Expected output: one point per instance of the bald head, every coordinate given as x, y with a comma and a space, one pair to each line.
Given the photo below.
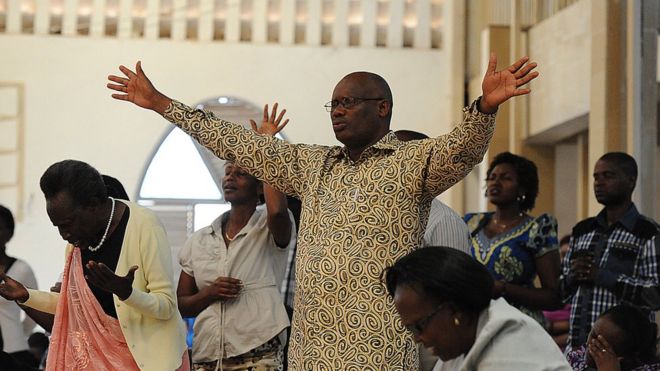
371, 84
361, 110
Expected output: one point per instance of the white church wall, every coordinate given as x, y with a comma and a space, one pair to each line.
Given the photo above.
69, 112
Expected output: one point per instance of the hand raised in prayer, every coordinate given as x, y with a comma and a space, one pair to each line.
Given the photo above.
603, 354
137, 88
102, 277
223, 288
498, 86
11, 289
270, 124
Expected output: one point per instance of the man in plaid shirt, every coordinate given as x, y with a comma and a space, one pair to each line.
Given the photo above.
613, 257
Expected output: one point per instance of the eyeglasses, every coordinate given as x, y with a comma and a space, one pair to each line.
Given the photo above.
418, 327
346, 102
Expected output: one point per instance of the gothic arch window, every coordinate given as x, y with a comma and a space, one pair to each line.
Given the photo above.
181, 182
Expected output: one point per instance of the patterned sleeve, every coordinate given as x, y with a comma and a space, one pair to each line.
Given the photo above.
543, 235
642, 288
452, 156
284, 166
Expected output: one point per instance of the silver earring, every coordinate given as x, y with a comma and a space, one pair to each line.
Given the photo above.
521, 198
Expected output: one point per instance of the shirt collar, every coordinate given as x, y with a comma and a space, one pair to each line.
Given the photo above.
389, 143
216, 226
628, 219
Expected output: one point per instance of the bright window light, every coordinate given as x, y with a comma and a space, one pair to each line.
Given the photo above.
205, 214
177, 171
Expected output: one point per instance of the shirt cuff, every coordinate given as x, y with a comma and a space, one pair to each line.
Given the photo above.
473, 109
128, 299
40, 300
27, 301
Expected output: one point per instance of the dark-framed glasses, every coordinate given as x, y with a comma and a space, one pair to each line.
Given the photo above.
346, 102
419, 326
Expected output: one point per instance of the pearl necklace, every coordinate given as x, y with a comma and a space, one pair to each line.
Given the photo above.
107, 228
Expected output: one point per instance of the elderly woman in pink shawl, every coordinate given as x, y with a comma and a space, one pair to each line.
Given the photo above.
117, 307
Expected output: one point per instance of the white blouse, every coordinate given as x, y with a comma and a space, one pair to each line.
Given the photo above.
508, 340
257, 315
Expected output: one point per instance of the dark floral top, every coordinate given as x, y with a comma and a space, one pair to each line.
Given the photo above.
511, 256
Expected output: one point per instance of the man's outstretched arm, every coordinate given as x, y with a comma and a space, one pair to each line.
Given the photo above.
499, 86
284, 166
453, 155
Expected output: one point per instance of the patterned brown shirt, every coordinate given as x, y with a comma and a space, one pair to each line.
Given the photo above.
358, 217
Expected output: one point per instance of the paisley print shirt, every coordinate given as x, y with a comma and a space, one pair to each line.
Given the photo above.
358, 217
511, 256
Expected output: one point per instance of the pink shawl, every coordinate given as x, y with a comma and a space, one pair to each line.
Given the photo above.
84, 336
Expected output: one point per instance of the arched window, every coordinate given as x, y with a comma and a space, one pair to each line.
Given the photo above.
182, 179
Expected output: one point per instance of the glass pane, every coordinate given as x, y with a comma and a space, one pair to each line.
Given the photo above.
177, 171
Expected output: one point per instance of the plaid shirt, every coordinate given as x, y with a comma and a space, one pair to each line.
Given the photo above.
628, 256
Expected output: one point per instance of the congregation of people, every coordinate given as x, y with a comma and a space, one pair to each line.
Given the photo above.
340, 257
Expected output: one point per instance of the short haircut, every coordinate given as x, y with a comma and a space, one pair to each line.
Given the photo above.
406, 135
377, 82
528, 178
80, 180
443, 274
8, 219
623, 161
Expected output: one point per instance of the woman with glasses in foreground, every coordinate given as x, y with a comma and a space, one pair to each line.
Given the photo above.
443, 298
